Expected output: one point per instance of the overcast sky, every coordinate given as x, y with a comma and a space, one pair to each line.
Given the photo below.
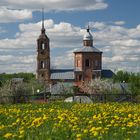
115, 25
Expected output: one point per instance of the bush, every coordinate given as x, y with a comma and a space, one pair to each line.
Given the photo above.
18, 93
134, 83
121, 76
5, 90
99, 86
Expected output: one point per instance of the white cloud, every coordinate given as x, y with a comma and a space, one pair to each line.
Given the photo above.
64, 61
128, 42
120, 48
56, 5
97, 25
118, 58
8, 15
119, 22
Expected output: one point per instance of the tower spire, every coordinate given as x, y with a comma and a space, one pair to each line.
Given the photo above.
43, 29
88, 28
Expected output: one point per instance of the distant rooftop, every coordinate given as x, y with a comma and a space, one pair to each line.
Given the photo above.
62, 74
106, 73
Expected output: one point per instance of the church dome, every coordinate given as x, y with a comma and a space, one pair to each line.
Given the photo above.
88, 35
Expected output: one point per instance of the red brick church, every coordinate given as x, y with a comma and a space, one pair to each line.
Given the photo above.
87, 62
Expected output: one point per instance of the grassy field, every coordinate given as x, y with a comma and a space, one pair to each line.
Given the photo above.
70, 121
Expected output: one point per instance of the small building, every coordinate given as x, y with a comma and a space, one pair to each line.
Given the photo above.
16, 81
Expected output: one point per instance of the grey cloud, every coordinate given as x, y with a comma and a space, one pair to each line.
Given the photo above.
8, 15
56, 5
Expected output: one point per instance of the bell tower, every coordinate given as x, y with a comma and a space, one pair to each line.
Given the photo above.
43, 55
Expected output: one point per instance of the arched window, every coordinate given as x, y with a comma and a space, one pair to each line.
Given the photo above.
42, 64
42, 75
43, 46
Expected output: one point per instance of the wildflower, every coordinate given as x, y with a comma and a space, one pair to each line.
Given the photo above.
85, 131
78, 135
21, 131
37, 122
130, 124
44, 117
1, 127
129, 115
95, 133
8, 135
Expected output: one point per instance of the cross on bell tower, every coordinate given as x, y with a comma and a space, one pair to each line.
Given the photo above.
43, 54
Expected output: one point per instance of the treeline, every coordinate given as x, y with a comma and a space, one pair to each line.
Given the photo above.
132, 79
26, 76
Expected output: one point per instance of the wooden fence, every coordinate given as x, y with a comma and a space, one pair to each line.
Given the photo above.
47, 97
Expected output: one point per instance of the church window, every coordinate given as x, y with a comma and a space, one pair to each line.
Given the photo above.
42, 52
43, 46
87, 63
42, 64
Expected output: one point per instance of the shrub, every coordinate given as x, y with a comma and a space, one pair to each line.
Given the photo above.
99, 86
134, 83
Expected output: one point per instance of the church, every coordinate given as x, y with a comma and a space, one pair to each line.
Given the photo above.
87, 62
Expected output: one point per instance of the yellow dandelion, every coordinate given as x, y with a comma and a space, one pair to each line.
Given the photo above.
95, 133
21, 132
78, 135
129, 115
85, 131
8, 135
1, 127
18, 120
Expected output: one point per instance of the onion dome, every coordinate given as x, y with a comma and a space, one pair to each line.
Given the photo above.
88, 35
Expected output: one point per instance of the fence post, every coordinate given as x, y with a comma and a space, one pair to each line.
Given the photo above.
105, 98
73, 98
44, 97
14, 97
80, 100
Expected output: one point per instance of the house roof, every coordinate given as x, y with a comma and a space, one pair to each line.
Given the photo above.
62, 74
17, 79
106, 73
88, 49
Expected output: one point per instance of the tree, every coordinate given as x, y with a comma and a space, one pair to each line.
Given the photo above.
5, 92
99, 86
121, 76
26, 76
9, 91
134, 83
